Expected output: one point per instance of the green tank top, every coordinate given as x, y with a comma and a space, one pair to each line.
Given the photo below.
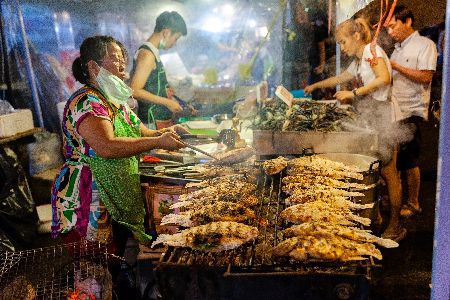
156, 84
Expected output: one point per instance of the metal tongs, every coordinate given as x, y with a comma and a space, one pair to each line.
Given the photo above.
199, 150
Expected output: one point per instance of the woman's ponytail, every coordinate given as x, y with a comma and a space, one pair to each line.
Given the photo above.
79, 71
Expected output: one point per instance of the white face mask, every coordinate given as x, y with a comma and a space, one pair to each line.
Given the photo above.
115, 90
162, 44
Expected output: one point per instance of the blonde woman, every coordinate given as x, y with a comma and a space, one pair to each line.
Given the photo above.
371, 69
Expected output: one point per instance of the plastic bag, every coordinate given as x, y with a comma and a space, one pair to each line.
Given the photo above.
18, 217
5, 107
45, 153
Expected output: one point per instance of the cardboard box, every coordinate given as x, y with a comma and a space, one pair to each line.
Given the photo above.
19, 121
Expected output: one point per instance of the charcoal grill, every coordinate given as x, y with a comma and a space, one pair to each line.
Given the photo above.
51, 271
248, 272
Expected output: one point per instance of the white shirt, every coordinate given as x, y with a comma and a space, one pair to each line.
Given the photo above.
153, 48
418, 53
363, 68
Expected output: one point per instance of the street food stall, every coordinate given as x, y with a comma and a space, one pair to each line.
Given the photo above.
276, 193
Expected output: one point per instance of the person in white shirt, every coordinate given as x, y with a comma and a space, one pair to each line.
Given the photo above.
354, 37
371, 99
413, 63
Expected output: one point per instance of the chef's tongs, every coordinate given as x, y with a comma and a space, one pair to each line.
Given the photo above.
199, 150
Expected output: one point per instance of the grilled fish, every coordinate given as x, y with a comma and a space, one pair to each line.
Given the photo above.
212, 237
327, 230
221, 180
275, 166
323, 171
320, 162
319, 211
246, 200
218, 211
328, 249
234, 156
223, 191
336, 201
308, 179
320, 190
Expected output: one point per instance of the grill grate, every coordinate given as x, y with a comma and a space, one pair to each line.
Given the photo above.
255, 258
51, 272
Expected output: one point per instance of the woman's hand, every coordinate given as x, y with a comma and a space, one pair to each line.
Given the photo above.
344, 97
319, 69
310, 88
173, 106
169, 141
177, 129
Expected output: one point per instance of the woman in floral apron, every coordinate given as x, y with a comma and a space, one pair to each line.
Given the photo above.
98, 186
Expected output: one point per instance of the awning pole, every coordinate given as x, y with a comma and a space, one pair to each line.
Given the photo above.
441, 250
29, 67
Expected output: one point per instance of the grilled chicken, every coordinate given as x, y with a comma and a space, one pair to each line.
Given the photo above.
329, 249
319, 211
212, 237
275, 166
327, 230
218, 211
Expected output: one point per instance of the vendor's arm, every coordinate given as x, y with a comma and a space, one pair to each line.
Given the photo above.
176, 129
382, 78
420, 76
99, 134
330, 82
322, 57
145, 64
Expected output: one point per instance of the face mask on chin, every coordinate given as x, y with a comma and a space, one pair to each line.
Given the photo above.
115, 90
162, 44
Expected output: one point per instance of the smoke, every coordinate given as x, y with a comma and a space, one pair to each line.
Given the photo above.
379, 116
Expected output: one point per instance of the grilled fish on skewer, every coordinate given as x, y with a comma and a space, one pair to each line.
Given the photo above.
223, 191
331, 249
212, 237
336, 201
321, 212
322, 171
246, 201
320, 190
329, 230
204, 170
312, 180
234, 156
320, 162
218, 211
275, 166
222, 179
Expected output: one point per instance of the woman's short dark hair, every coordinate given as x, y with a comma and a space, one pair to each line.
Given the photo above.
171, 20
93, 48
402, 13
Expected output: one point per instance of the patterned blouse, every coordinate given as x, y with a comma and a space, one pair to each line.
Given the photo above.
75, 199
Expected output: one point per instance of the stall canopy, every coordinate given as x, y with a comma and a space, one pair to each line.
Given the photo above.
229, 44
